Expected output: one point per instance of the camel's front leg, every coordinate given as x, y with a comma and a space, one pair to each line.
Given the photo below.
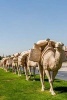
53, 74
50, 81
19, 70
26, 73
23, 69
34, 68
29, 68
41, 77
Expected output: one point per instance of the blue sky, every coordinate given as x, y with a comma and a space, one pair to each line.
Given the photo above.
24, 22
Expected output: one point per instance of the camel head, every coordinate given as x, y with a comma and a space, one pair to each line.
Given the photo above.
36, 46
59, 45
16, 54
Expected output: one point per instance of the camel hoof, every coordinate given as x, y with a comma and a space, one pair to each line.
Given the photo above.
34, 80
42, 90
19, 75
7, 71
27, 79
53, 93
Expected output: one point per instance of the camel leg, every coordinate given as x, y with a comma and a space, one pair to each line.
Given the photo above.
6, 68
3, 66
15, 69
26, 73
19, 70
41, 77
29, 68
23, 69
50, 81
54, 74
34, 68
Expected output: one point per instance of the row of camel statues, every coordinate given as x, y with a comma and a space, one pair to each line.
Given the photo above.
49, 61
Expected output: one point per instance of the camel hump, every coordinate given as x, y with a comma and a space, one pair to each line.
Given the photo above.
49, 43
48, 48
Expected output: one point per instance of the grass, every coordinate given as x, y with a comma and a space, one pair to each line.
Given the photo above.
13, 87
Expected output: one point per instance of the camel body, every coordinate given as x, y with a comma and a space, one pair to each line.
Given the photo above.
50, 63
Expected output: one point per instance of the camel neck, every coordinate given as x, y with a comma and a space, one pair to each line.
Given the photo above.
58, 54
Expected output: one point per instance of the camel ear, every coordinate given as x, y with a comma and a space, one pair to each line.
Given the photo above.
62, 44
47, 39
35, 45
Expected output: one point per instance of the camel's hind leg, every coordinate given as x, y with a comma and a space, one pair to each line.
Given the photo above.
54, 73
41, 77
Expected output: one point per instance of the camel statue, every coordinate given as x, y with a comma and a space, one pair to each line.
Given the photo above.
31, 65
3, 63
22, 64
26, 64
15, 62
9, 62
50, 62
